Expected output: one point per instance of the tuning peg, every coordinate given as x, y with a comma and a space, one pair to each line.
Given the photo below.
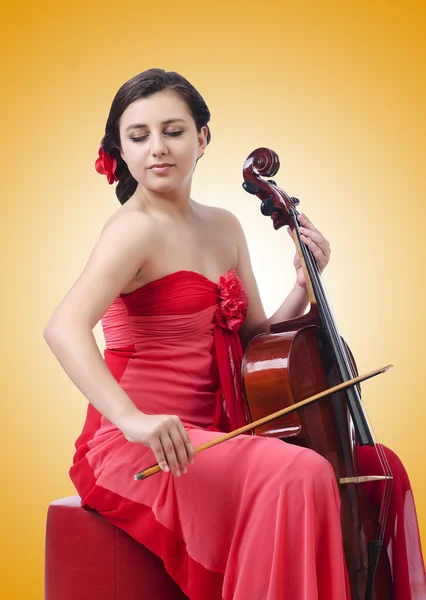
296, 201
268, 207
271, 181
250, 187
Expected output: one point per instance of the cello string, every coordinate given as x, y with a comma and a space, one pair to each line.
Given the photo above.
325, 305
329, 323
384, 512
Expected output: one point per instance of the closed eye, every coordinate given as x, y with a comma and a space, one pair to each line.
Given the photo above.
144, 137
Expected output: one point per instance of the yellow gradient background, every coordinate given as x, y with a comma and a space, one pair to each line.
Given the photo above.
337, 89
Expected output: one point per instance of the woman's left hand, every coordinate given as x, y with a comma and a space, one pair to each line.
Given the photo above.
316, 242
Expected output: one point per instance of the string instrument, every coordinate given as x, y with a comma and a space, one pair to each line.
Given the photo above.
299, 358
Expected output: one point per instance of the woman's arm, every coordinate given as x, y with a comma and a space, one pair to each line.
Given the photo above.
118, 255
115, 260
296, 302
293, 306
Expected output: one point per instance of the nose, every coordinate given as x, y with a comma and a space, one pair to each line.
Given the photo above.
158, 145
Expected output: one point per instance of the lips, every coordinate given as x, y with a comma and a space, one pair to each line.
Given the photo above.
163, 169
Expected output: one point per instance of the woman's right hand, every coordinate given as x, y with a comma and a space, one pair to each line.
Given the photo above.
165, 435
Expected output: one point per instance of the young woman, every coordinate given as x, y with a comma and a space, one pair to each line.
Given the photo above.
171, 281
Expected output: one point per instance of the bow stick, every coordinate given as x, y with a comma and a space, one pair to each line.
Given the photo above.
156, 468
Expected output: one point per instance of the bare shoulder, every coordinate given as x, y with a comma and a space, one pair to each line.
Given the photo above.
223, 218
120, 251
127, 216
126, 234
231, 226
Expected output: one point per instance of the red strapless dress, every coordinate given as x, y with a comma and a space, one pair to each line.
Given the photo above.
254, 518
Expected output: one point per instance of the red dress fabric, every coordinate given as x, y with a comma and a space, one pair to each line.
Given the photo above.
254, 517
401, 535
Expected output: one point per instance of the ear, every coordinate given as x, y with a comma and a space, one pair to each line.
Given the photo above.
122, 155
202, 141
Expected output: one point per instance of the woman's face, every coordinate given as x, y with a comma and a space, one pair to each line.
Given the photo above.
160, 130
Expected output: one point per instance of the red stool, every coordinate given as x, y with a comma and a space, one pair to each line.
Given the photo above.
88, 558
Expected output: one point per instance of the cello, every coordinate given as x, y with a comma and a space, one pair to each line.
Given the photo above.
299, 358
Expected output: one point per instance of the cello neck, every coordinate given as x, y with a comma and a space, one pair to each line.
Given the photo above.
321, 306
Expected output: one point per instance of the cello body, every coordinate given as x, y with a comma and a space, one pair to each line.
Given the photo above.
296, 360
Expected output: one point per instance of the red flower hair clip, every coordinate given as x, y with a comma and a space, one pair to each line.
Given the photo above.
106, 165
233, 302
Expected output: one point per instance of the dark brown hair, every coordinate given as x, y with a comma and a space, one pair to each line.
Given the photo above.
141, 86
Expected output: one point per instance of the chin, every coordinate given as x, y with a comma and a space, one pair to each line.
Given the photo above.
163, 186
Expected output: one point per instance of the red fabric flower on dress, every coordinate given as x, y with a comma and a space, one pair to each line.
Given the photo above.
233, 302
106, 165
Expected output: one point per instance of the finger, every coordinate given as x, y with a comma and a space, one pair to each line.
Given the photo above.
316, 251
180, 448
318, 238
170, 454
303, 220
157, 449
190, 450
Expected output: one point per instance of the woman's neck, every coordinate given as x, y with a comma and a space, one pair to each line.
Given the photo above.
175, 204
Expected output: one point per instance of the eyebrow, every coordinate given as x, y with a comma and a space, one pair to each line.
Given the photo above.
140, 125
